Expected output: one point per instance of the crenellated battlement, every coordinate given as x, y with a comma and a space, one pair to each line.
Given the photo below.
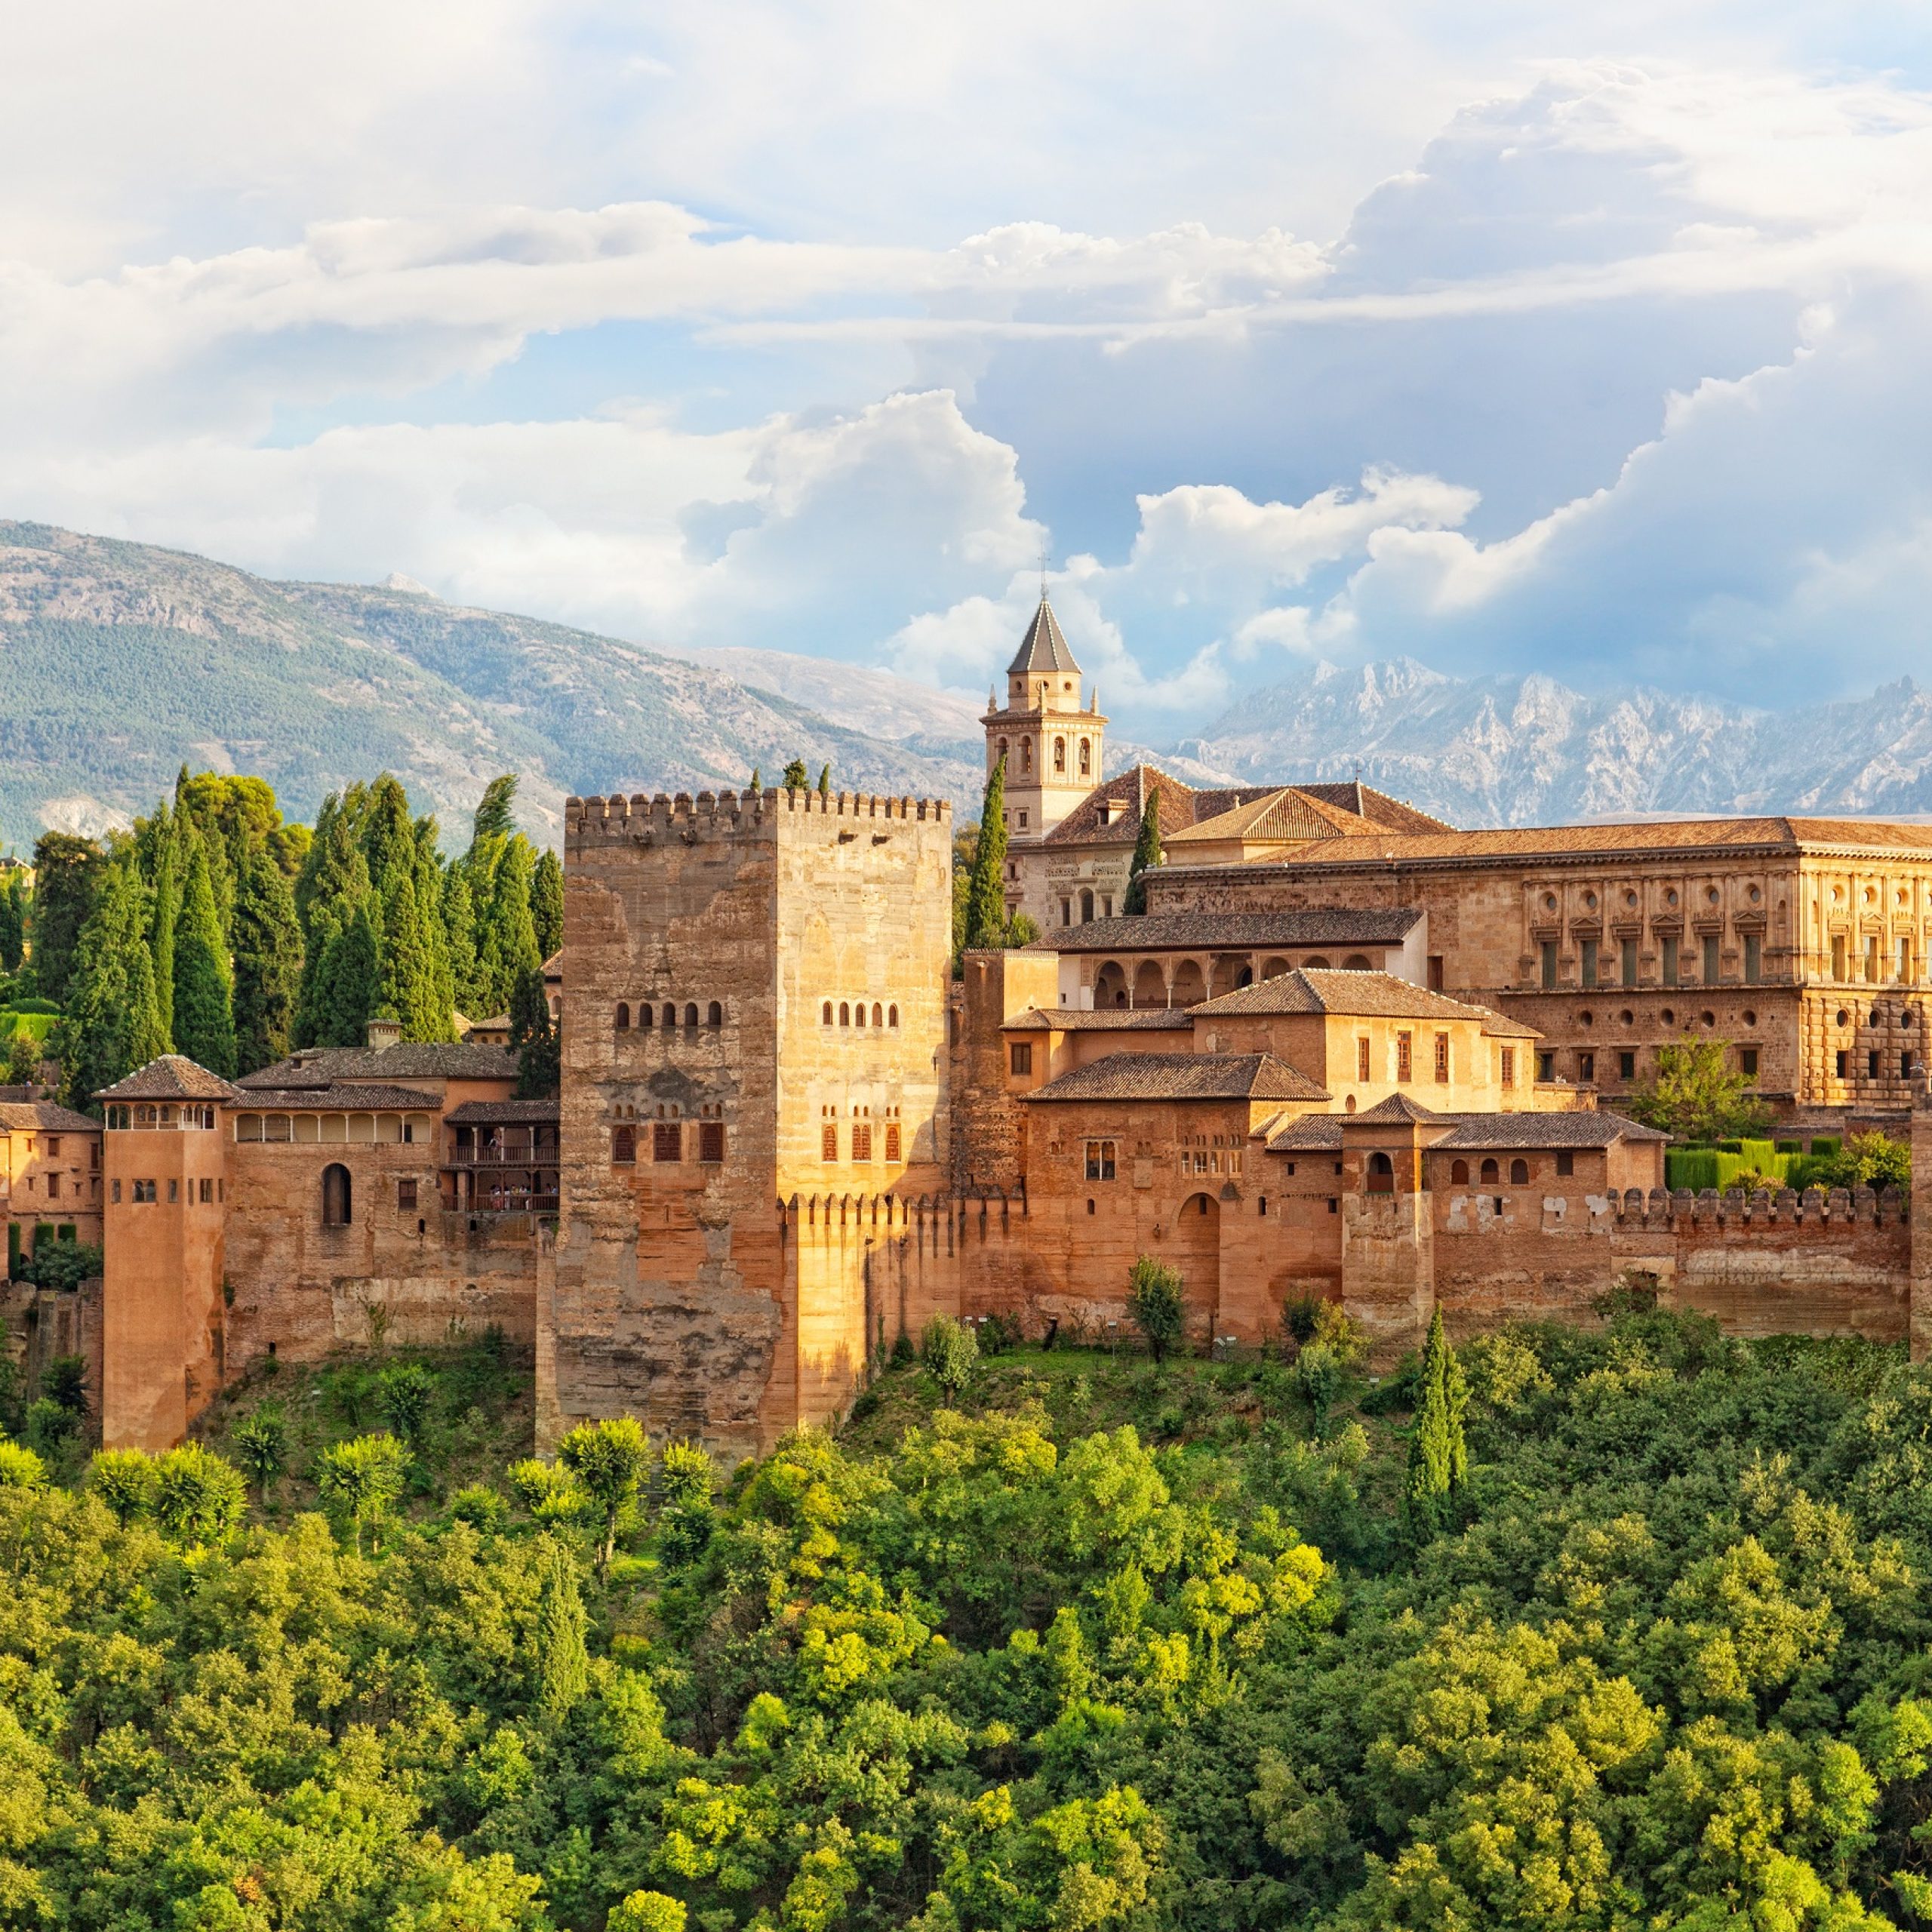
641, 818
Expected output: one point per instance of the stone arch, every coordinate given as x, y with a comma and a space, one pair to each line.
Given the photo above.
623, 1016
1273, 966
714, 1014
1226, 977
879, 1017
1491, 1172
1110, 984
1315, 964
690, 1014
1150, 984
670, 1014
1190, 986
1519, 1173
1381, 1174
624, 1147
1357, 962
1459, 1174
1195, 1250
1025, 754
892, 1016
644, 1014
824, 1018
844, 1013
858, 1013
1086, 759
1059, 755
1086, 904
338, 1196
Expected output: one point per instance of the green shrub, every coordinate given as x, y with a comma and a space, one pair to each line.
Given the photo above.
1154, 1300
950, 1350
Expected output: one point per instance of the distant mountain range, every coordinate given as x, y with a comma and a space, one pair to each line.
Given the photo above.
122, 661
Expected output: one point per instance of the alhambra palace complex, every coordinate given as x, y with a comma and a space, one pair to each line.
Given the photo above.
1348, 1050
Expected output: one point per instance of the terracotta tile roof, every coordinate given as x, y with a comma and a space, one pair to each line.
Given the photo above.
553, 967
1235, 932
1398, 1110
1342, 994
1681, 836
363, 1097
1103, 1019
1310, 1133
1044, 647
1395, 814
1590, 1128
1277, 817
506, 1113
32, 1116
172, 1077
1125, 793
322, 1066
1182, 1077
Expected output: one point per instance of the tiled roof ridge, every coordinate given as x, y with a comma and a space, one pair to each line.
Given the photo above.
168, 1077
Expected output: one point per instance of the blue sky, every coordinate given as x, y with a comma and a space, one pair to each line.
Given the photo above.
1504, 338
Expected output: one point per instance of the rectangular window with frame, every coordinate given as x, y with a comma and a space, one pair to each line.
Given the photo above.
207, 1193
1566, 1163
1627, 958
1548, 951
1361, 1060
1405, 1066
405, 1193
892, 1141
1871, 959
1589, 962
862, 1140
1587, 1069
1747, 1062
1545, 1066
1507, 1056
828, 1142
1843, 1064
1905, 962
1754, 957
667, 1141
114, 1193
1020, 1057
1838, 956
1670, 959
1100, 1160
1626, 1067
1872, 1064
54, 1187
144, 1193
1711, 974
710, 1142
1442, 1059
174, 1193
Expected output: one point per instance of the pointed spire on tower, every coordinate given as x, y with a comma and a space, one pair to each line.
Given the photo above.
1044, 647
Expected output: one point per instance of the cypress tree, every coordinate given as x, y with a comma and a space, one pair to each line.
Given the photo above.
171, 834
67, 874
268, 962
347, 984
534, 1035
506, 935
1146, 852
754, 788
563, 1662
546, 903
13, 924
459, 939
204, 992
113, 1024
334, 881
825, 781
405, 977
495, 817
429, 905
1438, 1457
796, 779
389, 838
985, 898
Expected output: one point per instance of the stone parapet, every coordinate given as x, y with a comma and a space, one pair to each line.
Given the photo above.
642, 817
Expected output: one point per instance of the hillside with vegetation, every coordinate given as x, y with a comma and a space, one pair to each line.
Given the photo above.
127, 661
1621, 1627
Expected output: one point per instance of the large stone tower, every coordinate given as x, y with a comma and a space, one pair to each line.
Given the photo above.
754, 1039
1052, 741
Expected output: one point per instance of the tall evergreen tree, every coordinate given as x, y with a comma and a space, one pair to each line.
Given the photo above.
985, 899
67, 876
825, 781
495, 810
754, 788
113, 1024
171, 831
203, 991
268, 961
534, 1035
406, 978
429, 905
1146, 852
796, 779
563, 1664
388, 837
332, 883
546, 903
1438, 1457
347, 986
505, 934
13, 923
460, 938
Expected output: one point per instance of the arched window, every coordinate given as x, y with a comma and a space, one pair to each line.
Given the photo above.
1025, 754
714, 1015
1356, 962
623, 1147
892, 1016
1060, 754
623, 1016
1086, 905
1317, 964
670, 1014
1459, 1174
643, 1014
1086, 759
336, 1200
844, 1013
1519, 1173
1491, 1172
826, 1020
690, 1014
1381, 1174
878, 1018
859, 1014
1002, 748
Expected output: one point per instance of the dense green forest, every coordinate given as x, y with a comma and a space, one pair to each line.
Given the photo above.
1623, 1627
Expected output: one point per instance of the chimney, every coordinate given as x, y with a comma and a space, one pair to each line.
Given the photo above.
383, 1034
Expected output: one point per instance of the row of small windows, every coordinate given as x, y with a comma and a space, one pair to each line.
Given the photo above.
714, 1015
852, 1013
1083, 755
860, 1143
668, 1142
1594, 969
144, 1192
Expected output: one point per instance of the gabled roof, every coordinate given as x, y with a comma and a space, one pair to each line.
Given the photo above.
171, 1077
1286, 816
407, 1060
1235, 932
1307, 1133
1044, 647
34, 1116
1130, 1076
1103, 1019
1353, 995
1124, 797
1395, 814
1398, 1110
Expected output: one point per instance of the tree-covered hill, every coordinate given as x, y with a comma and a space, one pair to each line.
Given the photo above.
124, 661
1658, 1661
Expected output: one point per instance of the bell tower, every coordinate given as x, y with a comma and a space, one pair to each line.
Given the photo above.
1052, 740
